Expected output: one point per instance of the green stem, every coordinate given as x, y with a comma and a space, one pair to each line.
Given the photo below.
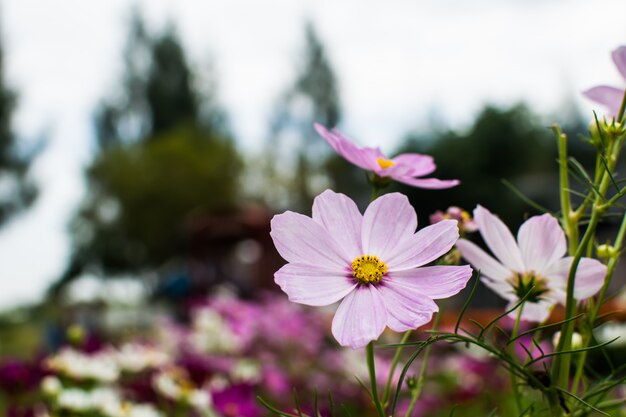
415, 394
394, 364
570, 220
619, 240
369, 353
514, 386
561, 365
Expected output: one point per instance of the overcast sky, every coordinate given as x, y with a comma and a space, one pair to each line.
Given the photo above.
396, 61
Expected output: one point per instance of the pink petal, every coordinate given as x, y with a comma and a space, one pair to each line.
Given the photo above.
407, 308
429, 183
499, 239
299, 239
341, 218
413, 165
619, 57
609, 97
388, 221
433, 281
362, 157
536, 312
541, 241
480, 260
312, 286
424, 246
589, 276
360, 318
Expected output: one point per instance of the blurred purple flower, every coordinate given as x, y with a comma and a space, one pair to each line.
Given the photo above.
404, 168
465, 221
536, 260
374, 262
611, 97
236, 401
18, 376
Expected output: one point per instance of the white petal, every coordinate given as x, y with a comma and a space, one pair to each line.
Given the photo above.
360, 318
339, 215
407, 308
388, 221
499, 239
541, 241
589, 276
424, 246
301, 240
312, 286
480, 260
433, 281
536, 312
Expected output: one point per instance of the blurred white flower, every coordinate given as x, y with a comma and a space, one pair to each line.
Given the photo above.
610, 331
211, 333
77, 365
246, 370
577, 340
174, 384
51, 386
135, 357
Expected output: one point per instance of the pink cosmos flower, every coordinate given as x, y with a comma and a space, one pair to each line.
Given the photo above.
535, 261
611, 97
372, 262
403, 168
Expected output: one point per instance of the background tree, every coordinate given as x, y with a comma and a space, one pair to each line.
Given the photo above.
295, 152
164, 152
17, 192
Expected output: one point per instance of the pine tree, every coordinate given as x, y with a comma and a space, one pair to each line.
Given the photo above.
17, 192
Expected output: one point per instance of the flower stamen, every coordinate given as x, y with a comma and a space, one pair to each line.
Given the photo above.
368, 269
385, 163
524, 282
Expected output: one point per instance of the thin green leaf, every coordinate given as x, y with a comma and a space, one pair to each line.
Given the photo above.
519, 303
580, 400
567, 352
331, 404
524, 197
545, 326
467, 302
297, 403
274, 410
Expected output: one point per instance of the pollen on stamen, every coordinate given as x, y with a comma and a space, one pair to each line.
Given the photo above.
385, 163
368, 269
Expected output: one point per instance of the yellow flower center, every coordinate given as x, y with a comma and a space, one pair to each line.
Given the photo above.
529, 282
385, 163
368, 269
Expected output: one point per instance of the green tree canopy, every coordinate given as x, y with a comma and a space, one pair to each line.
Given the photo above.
163, 153
17, 192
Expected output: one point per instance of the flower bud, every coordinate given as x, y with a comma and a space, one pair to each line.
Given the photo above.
605, 251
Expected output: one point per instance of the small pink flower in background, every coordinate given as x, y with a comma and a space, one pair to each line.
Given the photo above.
535, 261
404, 168
373, 262
611, 97
465, 221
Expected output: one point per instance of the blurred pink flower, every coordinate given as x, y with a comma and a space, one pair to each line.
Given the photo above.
536, 260
403, 168
466, 223
611, 97
371, 261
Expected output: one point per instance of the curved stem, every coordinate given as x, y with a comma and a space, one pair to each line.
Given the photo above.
417, 391
518, 318
369, 353
394, 364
